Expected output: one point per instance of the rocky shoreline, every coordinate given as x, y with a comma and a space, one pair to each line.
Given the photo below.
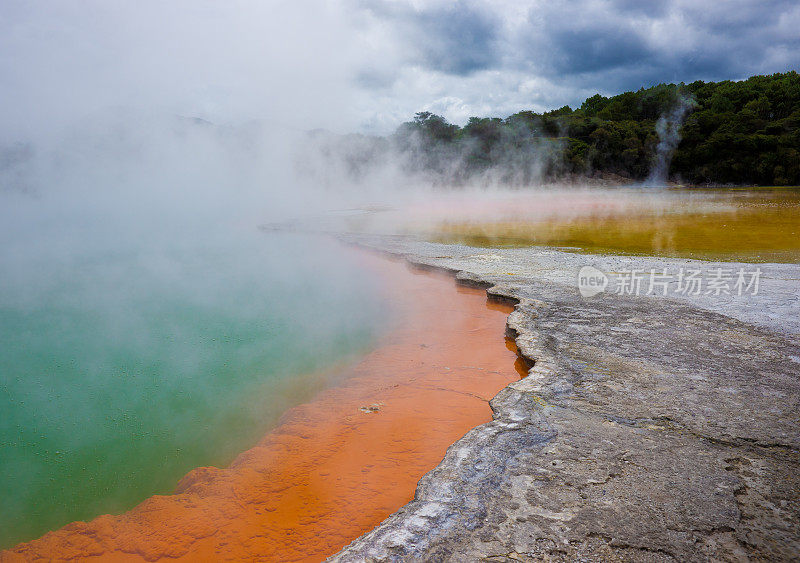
648, 429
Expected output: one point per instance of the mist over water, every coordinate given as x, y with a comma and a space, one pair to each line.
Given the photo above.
147, 325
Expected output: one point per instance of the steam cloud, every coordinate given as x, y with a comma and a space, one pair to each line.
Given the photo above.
668, 128
406, 160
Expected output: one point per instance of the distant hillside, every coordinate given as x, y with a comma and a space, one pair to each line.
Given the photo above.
745, 132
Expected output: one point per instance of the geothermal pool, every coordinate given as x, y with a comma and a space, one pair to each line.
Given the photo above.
125, 366
340, 463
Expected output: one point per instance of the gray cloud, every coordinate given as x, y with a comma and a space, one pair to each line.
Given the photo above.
369, 64
456, 38
596, 49
619, 45
571, 48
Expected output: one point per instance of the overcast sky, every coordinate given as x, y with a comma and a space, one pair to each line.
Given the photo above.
360, 65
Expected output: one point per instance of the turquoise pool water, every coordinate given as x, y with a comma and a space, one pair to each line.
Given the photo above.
123, 366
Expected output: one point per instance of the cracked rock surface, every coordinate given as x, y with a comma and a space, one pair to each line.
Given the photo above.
648, 429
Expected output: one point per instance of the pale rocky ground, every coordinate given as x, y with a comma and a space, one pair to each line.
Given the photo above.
648, 429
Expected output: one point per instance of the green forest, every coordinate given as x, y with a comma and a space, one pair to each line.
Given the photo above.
732, 132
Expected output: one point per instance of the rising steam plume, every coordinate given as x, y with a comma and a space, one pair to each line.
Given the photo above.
668, 128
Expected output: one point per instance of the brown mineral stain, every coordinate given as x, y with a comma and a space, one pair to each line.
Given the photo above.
334, 467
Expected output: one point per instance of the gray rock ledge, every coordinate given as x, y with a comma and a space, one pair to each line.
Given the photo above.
648, 429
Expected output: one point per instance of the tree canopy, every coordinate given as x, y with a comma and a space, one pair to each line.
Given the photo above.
740, 132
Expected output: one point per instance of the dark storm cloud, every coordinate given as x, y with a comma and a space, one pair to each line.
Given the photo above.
456, 38
463, 41
595, 49
471, 53
620, 45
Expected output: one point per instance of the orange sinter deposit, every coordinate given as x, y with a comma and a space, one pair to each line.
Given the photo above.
337, 466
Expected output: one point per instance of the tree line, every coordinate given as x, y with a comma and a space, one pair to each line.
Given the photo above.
732, 132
